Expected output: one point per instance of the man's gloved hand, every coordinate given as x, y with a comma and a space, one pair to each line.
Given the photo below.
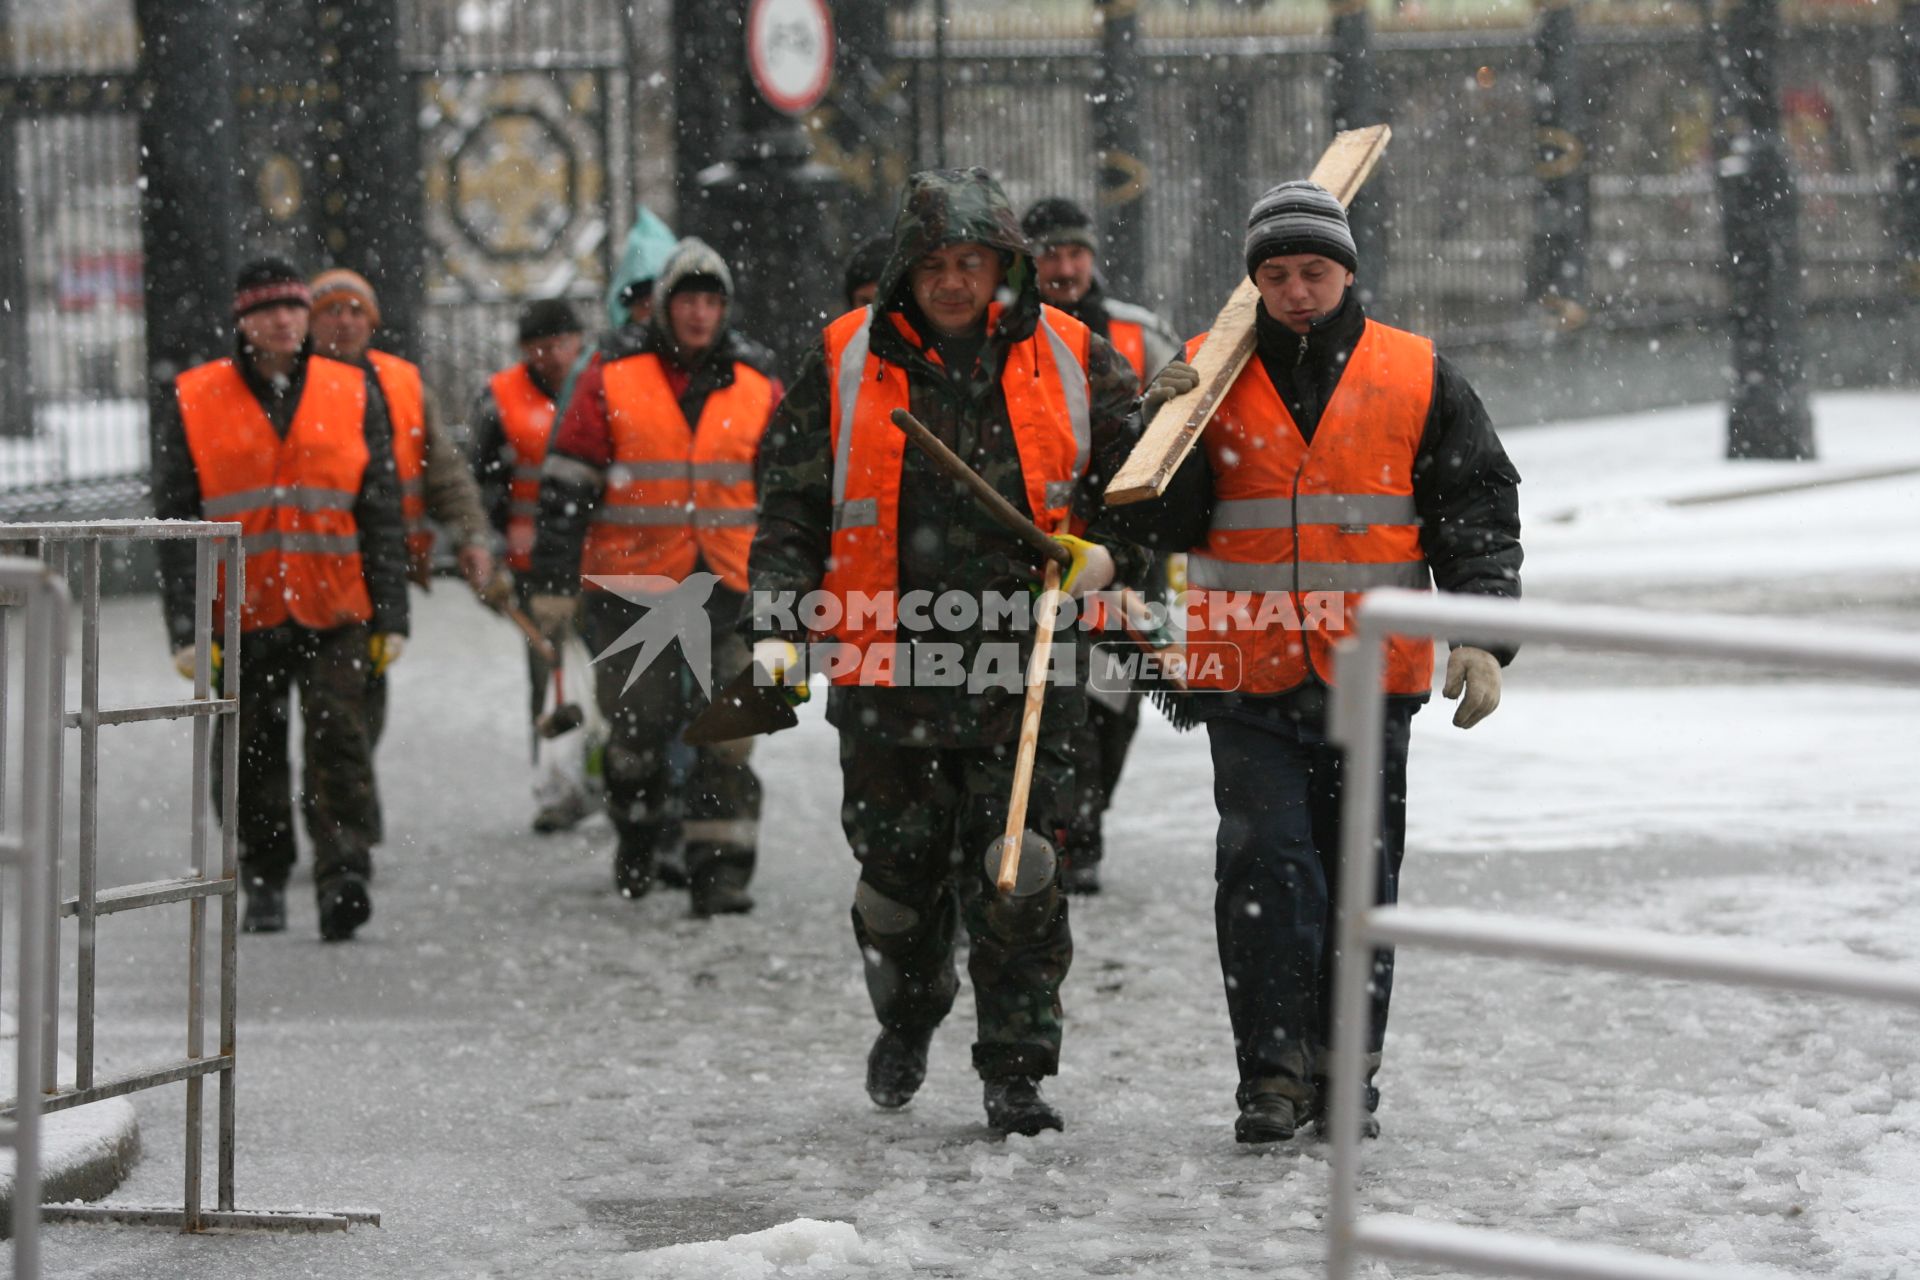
183, 661
385, 648
1478, 673
476, 565
781, 660
497, 592
1176, 379
1092, 566
553, 615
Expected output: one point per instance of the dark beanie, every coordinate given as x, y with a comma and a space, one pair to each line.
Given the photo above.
1058, 221
866, 264
1299, 217
547, 318
269, 282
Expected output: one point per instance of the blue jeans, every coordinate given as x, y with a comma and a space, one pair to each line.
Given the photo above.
1276, 783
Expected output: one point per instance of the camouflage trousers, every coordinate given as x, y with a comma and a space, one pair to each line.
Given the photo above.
921, 820
658, 788
1099, 748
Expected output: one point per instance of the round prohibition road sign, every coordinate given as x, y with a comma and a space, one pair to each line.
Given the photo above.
790, 52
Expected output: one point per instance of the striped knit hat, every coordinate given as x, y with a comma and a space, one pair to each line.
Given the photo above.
339, 282
1299, 217
268, 282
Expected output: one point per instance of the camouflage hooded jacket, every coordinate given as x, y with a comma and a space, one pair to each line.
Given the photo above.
947, 541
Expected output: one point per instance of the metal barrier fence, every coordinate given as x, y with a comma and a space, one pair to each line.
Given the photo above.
60, 545
1358, 717
28, 857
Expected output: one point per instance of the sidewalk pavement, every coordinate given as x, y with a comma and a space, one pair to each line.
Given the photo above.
84, 1153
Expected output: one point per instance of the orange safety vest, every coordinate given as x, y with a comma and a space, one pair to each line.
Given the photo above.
294, 497
406, 395
1299, 530
677, 494
1049, 401
1130, 340
526, 419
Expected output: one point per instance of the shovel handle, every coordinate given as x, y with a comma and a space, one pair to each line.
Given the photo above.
1015, 834
540, 644
991, 498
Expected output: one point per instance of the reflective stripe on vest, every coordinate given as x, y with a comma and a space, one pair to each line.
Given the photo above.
526, 421
294, 497
406, 396
678, 494
1048, 396
1299, 529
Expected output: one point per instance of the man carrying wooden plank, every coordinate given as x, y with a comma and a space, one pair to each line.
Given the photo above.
1037, 405
1345, 455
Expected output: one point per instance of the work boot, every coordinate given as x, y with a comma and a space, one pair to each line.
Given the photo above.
670, 864
896, 1065
1272, 1110
1014, 1105
563, 814
719, 887
345, 905
1080, 877
266, 908
633, 867
1323, 1097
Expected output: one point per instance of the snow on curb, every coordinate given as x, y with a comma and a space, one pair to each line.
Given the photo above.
85, 1152
802, 1247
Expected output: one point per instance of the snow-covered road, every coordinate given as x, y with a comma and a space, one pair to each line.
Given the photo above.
530, 1077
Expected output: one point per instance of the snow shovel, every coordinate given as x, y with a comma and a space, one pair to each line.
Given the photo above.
752, 703
565, 716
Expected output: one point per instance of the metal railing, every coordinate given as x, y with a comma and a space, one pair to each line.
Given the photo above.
91, 901
1358, 712
28, 857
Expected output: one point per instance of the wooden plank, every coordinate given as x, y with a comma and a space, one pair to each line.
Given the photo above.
1176, 428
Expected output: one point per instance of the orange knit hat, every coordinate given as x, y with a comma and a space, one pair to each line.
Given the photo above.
339, 280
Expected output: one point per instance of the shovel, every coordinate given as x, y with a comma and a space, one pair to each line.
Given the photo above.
565, 716
750, 704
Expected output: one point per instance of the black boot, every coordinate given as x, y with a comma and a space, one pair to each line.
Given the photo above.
717, 880
1014, 1105
896, 1065
1078, 877
1272, 1110
345, 905
266, 907
633, 866
1369, 1102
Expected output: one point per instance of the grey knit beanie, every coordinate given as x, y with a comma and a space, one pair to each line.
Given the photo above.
1299, 217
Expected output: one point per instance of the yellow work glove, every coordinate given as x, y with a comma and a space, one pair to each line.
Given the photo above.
1477, 672
1176, 379
385, 648
1092, 566
183, 661
553, 615
780, 659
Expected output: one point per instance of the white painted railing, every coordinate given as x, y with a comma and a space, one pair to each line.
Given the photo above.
1358, 717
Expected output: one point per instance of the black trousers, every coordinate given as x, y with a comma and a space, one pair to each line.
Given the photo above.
329, 668
1277, 785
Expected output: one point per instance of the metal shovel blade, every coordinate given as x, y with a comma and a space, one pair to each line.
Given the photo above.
750, 704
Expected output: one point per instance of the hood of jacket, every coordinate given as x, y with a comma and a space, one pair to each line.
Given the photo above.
649, 243
942, 207
691, 257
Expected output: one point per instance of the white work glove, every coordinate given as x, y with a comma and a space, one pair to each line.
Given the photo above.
1477, 672
1092, 566
385, 648
781, 660
553, 615
1176, 379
